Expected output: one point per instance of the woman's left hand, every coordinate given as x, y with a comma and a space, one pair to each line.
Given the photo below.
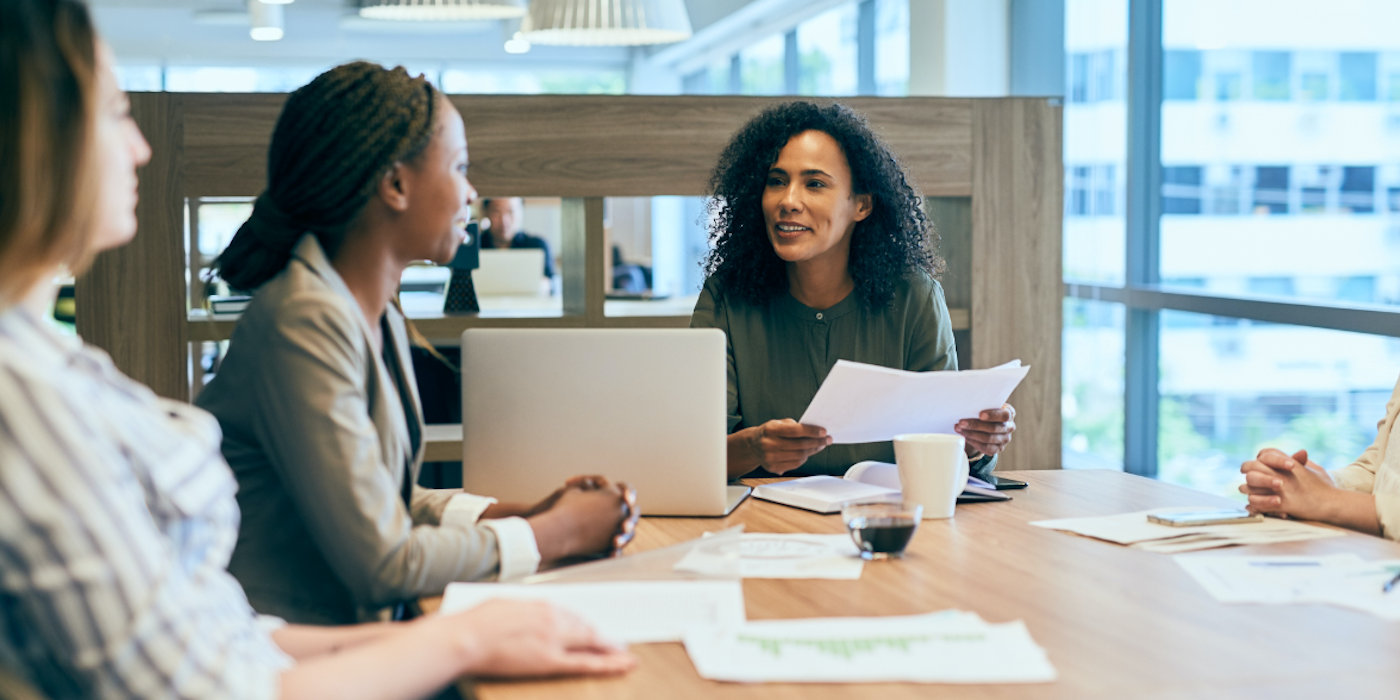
990, 432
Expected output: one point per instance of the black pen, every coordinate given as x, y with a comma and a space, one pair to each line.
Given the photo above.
1390, 585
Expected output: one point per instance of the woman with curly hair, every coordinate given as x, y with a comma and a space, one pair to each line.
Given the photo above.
821, 253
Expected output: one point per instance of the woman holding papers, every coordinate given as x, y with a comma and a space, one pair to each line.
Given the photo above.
1364, 495
317, 397
821, 253
117, 512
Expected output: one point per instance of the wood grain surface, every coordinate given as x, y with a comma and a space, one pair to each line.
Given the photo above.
587, 145
132, 303
1017, 282
1118, 623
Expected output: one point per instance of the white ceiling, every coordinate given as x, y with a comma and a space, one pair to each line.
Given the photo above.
323, 32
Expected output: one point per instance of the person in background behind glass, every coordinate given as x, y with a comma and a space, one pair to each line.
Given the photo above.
117, 512
506, 215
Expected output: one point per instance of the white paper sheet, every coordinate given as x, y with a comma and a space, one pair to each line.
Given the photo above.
1134, 529
865, 403
1344, 580
623, 611
1360, 589
763, 555
945, 647
1278, 579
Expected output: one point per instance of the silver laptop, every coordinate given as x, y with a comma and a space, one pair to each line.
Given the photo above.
515, 272
642, 406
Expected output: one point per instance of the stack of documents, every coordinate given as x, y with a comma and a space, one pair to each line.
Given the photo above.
1340, 579
864, 480
781, 556
1134, 530
865, 403
621, 611
944, 647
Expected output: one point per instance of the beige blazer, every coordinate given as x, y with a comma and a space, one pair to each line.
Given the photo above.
1377, 470
315, 432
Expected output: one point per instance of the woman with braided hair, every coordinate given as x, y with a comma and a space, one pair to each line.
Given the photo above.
117, 512
367, 171
821, 253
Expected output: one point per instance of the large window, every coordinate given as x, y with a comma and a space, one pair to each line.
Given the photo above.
1250, 302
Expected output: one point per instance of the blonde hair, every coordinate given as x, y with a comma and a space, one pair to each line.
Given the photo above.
48, 185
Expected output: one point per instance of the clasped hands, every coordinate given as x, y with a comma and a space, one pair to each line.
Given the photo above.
781, 446
1286, 485
589, 515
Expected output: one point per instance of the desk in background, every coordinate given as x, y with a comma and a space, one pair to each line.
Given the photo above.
1118, 623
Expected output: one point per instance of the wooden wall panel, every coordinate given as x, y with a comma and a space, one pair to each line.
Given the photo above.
226, 140
1017, 210
585, 145
132, 302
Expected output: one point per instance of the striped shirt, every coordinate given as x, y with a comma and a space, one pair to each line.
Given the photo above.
117, 519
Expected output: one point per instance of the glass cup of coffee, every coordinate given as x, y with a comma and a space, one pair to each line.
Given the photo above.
882, 528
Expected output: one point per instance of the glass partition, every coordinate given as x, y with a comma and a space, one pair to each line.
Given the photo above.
1230, 387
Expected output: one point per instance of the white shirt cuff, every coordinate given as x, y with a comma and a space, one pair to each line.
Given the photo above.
464, 509
515, 545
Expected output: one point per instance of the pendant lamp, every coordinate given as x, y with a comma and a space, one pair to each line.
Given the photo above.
606, 22
441, 10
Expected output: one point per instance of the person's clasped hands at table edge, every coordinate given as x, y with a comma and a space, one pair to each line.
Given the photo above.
574, 519
1292, 486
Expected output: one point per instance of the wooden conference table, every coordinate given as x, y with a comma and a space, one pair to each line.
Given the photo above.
1116, 622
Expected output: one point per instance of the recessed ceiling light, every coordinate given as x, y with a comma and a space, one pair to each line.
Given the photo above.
265, 21
439, 10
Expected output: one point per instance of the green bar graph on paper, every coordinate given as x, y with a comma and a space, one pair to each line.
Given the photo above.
850, 648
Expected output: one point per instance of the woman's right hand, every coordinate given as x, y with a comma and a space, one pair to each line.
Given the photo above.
531, 639
781, 446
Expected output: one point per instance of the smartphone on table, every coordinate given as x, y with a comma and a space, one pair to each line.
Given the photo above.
1002, 483
1218, 516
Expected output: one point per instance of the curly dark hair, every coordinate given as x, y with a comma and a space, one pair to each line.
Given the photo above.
894, 241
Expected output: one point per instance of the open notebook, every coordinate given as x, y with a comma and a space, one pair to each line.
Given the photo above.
825, 494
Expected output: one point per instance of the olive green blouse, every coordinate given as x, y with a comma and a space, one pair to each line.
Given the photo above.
780, 352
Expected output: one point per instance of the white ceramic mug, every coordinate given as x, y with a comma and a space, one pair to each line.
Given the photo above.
932, 471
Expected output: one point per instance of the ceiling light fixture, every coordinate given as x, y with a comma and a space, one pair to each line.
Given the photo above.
440, 10
265, 21
606, 22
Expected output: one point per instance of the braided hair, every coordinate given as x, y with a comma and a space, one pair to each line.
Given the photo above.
895, 240
336, 138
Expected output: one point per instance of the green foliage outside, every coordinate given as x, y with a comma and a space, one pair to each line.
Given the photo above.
1190, 459
814, 77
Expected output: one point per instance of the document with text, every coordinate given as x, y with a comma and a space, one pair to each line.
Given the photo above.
1343, 580
865, 403
951, 646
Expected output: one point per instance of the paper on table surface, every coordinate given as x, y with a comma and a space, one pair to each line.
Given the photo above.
1134, 529
865, 403
1344, 580
624, 611
1360, 589
788, 555
945, 647
1277, 579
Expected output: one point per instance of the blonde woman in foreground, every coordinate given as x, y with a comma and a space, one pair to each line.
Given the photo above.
117, 512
